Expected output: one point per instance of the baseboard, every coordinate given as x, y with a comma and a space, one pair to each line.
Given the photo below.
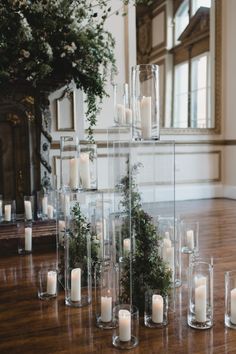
199, 191
230, 192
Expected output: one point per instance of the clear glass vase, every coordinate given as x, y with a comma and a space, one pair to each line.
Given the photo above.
156, 309
189, 234
146, 102
29, 207
106, 287
88, 166
200, 295
230, 299
69, 163
122, 111
9, 211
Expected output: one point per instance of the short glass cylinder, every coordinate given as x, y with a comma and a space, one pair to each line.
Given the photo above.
200, 295
24, 233
106, 290
46, 205
122, 112
88, 166
78, 281
230, 299
189, 234
156, 309
9, 210
126, 326
69, 163
29, 207
47, 287
146, 102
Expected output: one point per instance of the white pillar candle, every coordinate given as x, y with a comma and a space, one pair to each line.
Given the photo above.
76, 284
200, 280
74, 173
61, 229
233, 306
124, 325
126, 245
190, 240
146, 117
167, 235
45, 205
7, 212
28, 209
200, 303
67, 206
106, 308
28, 239
120, 112
157, 308
52, 282
50, 212
128, 116
84, 169
166, 244
0, 208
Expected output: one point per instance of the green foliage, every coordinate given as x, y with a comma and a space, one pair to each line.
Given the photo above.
149, 271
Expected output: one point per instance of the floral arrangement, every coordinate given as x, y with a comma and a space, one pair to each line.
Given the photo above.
46, 44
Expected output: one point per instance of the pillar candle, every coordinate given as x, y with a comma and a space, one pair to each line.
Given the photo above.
146, 117
106, 308
190, 240
67, 206
157, 308
28, 239
45, 205
233, 306
200, 280
200, 303
167, 235
7, 212
52, 282
126, 245
50, 212
74, 173
124, 325
61, 229
76, 284
120, 112
85, 170
0, 208
128, 116
28, 209
166, 244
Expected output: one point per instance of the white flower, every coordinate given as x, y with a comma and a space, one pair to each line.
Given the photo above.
25, 53
63, 55
70, 48
48, 49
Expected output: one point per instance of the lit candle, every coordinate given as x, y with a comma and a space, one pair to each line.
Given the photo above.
233, 306
7, 212
200, 303
50, 211
52, 282
45, 205
128, 116
85, 170
190, 240
28, 210
126, 245
146, 117
157, 308
106, 308
76, 284
124, 325
74, 173
120, 111
28, 239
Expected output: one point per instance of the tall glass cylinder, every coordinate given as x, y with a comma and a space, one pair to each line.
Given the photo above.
69, 163
122, 110
88, 166
230, 299
78, 282
200, 295
106, 285
146, 102
189, 233
29, 207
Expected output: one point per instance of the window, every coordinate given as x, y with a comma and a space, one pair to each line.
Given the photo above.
181, 95
198, 3
181, 20
200, 92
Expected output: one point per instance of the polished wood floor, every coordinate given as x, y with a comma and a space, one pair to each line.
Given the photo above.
28, 325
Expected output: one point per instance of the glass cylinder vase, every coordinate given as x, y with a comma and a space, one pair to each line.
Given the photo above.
46, 205
122, 112
230, 299
156, 309
69, 163
29, 207
189, 234
106, 286
145, 100
9, 210
1, 205
78, 281
88, 166
200, 295
126, 326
